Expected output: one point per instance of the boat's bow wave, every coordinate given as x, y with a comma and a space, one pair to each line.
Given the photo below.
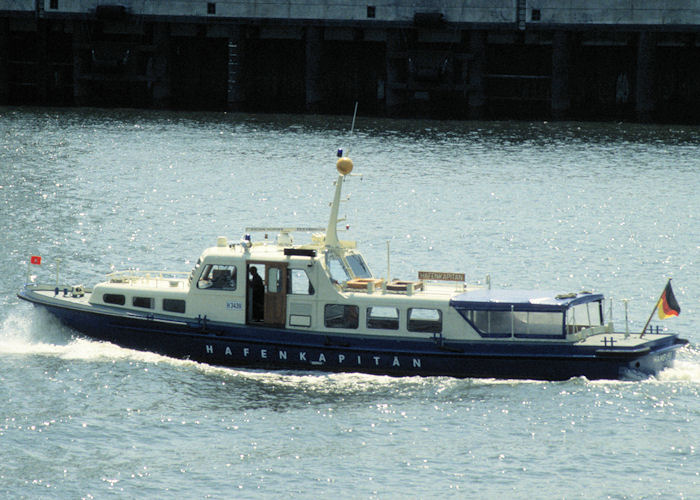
35, 331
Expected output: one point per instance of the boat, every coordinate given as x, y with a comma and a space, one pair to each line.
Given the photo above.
276, 304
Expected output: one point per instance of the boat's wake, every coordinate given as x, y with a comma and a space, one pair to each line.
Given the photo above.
682, 370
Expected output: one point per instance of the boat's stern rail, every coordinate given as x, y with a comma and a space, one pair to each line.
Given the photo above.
582, 332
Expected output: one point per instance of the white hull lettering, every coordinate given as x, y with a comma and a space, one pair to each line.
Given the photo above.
342, 358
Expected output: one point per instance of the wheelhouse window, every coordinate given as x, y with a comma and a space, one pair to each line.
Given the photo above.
114, 298
358, 266
195, 270
145, 302
298, 282
424, 320
341, 316
382, 317
174, 305
335, 265
218, 277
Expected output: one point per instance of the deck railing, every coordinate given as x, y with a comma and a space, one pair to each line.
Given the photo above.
131, 277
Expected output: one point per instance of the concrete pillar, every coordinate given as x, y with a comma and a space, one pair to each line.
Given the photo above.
393, 98
159, 74
560, 75
80, 39
313, 74
645, 95
477, 81
4, 66
42, 63
235, 96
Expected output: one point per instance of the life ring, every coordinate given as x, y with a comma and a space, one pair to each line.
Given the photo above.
402, 286
362, 283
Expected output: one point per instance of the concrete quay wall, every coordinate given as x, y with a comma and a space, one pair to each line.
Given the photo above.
545, 12
557, 59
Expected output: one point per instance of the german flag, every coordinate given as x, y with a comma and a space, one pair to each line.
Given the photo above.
668, 306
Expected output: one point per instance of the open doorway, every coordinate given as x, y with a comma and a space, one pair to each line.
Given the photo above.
266, 298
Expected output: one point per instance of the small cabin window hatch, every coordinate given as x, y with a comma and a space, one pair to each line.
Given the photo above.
174, 305
383, 317
145, 302
218, 277
341, 316
114, 298
424, 320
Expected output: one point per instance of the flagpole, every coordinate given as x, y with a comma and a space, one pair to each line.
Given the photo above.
656, 306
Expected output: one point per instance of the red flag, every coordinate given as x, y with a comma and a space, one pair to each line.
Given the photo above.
668, 306
35, 259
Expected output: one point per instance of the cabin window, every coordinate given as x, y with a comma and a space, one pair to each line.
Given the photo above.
358, 266
274, 283
298, 282
584, 316
341, 316
145, 302
537, 323
518, 323
218, 277
386, 318
424, 320
114, 298
174, 305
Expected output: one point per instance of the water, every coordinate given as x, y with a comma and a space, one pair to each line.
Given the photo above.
610, 208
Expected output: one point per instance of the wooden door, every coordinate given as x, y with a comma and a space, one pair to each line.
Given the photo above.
275, 294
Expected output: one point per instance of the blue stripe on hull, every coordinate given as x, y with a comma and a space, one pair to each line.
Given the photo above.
266, 348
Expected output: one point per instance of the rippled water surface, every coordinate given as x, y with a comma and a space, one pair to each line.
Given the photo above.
611, 208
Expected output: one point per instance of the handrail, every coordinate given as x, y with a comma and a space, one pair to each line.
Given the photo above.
133, 275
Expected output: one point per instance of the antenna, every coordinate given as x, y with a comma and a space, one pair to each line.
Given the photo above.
354, 115
352, 126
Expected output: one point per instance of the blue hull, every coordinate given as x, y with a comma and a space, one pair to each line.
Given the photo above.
270, 348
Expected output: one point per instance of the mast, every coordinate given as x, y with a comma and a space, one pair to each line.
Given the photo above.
344, 166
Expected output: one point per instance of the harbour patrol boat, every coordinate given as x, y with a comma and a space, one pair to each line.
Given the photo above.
281, 305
